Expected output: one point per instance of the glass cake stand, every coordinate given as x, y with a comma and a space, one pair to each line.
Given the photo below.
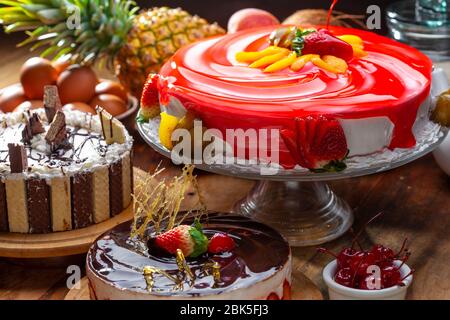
297, 202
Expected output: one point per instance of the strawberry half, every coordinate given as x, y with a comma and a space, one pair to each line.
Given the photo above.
220, 242
323, 42
189, 239
318, 143
149, 99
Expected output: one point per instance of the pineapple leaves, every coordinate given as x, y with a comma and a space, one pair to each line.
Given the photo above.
101, 26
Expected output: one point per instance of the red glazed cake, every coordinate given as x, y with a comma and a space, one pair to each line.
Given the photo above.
256, 266
377, 100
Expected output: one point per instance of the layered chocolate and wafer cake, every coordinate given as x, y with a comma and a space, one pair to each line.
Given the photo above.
219, 256
61, 169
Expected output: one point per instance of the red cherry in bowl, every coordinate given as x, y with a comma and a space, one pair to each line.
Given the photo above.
344, 277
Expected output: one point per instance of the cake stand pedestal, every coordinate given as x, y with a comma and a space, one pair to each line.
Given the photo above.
297, 202
306, 213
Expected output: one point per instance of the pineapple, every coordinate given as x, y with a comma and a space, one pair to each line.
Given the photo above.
112, 31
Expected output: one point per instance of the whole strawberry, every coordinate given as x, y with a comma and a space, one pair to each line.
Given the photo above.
189, 239
323, 42
220, 242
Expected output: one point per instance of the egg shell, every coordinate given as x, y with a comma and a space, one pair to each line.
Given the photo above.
111, 87
80, 106
11, 97
77, 84
30, 105
35, 74
111, 103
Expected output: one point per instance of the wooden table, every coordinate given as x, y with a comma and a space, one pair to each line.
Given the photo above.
415, 199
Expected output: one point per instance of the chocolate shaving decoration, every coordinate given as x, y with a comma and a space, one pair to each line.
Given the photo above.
17, 158
52, 103
57, 133
33, 126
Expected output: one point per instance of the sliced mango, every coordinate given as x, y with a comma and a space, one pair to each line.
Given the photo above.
351, 39
253, 56
301, 61
167, 126
359, 52
330, 63
336, 63
281, 64
265, 61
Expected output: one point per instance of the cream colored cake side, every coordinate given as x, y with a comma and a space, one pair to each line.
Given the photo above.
101, 194
16, 197
61, 204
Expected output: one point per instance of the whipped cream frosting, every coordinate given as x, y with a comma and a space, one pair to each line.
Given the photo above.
87, 150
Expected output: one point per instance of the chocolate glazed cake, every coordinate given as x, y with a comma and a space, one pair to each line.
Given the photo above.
61, 174
259, 267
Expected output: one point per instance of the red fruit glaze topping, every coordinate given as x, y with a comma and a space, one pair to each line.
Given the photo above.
220, 242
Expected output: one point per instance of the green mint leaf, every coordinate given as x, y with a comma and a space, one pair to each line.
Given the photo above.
200, 242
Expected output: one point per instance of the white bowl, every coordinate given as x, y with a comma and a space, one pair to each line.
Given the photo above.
337, 291
442, 155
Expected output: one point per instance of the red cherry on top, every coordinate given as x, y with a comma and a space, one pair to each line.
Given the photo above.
361, 261
345, 256
220, 242
382, 253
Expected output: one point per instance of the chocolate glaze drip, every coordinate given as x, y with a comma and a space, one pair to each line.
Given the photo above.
260, 251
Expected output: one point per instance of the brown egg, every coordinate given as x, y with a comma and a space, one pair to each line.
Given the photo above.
30, 105
113, 104
77, 84
111, 87
35, 74
80, 106
11, 97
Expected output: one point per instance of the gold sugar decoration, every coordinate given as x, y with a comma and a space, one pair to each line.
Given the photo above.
216, 272
157, 202
183, 267
213, 268
148, 276
149, 273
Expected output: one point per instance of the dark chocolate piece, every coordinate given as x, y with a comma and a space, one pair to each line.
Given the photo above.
33, 126
51, 102
38, 196
82, 200
57, 133
115, 188
3, 209
18, 160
